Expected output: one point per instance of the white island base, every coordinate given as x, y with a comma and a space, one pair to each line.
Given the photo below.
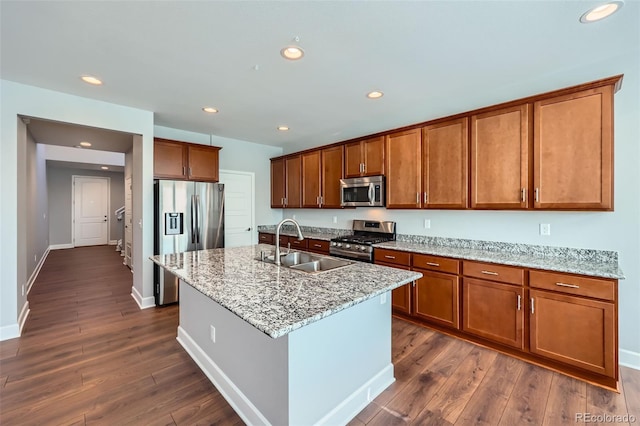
323, 373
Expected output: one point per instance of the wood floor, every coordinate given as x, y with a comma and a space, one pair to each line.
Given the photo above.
88, 355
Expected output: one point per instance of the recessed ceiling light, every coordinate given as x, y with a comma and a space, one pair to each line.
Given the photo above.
104, 168
600, 12
292, 53
375, 94
91, 80
85, 143
283, 128
211, 110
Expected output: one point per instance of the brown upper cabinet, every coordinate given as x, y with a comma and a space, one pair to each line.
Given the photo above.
364, 158
573, 151
185, 161
285, 182
321, 174
500, 144
404, 169
445, 164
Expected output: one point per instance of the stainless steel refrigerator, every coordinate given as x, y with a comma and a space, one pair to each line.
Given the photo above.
189, 216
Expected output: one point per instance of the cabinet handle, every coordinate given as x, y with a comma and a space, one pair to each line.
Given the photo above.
417, 198
425, 198
389, 257
536, 194
489, 273
519, 302
364, 167
433, 264
414, 283
532, 308
567, 285
523, 195
184, 170
190, 173
317, 245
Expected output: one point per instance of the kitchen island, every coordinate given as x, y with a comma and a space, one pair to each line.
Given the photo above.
286, 347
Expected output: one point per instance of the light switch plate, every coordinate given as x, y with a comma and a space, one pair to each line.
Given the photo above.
427, 223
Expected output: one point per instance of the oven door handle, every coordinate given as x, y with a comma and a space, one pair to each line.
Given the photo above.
371, 192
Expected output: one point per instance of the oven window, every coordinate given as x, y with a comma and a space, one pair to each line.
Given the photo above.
357, 194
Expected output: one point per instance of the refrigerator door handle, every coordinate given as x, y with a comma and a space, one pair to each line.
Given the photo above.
193, 221
197, 219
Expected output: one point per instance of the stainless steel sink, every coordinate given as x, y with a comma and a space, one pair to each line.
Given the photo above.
310, 263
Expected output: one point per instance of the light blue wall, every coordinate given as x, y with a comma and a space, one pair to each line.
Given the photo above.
618, 230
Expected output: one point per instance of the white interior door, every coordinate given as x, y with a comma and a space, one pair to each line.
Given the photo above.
239, 209
91, 210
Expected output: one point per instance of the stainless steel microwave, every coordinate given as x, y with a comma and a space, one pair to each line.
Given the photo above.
362, 192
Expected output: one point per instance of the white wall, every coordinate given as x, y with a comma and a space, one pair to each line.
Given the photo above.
38, 216
60, 188
618, 230
16, 99
240, 156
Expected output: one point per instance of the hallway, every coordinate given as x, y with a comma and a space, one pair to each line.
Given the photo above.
88, 354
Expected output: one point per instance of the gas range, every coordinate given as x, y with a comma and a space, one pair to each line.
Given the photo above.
359, 246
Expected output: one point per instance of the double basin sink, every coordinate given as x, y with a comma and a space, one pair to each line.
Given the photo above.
308, 262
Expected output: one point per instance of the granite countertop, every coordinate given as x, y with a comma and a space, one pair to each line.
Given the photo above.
584, 263
324, 234
305, 234
275, 299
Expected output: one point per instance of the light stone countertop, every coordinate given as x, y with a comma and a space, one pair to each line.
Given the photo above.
275, 299
584, 266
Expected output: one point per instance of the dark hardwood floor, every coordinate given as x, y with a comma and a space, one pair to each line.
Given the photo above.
88, 355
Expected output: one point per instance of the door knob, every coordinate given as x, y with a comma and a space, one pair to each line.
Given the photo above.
248, 229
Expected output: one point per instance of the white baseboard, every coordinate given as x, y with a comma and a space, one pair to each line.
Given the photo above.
9, 332
24, 314
112, 242
60, 246
629, 359
341, 414
36, 271
240, 403
143, 302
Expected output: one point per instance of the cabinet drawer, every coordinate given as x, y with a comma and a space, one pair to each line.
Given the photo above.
571, 284
319, 246
265, 238
490, 271
436, 263
301, 244
392, 256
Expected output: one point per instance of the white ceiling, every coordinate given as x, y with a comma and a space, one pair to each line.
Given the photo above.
431, 58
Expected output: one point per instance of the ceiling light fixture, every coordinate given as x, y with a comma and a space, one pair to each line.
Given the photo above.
600, 12
85, 143
375, 94
104, 168
210, 110
292, 53
91, 80
283, 128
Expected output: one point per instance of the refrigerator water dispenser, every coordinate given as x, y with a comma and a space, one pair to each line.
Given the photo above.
173, 223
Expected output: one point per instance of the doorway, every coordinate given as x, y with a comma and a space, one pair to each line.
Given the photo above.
90, 211
239, 209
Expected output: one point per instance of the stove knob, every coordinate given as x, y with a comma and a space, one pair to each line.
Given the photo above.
347, 246
339, 244
333, 244
363, 248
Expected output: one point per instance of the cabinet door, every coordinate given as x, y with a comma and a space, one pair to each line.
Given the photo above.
435, 298
404, 169
573, 160
574, 330
277, 183
401, 299
500, 142
203, 163
445, 164
311, 171
293, 182
332, 165
373, 156
353, 159
493, 311
169, 159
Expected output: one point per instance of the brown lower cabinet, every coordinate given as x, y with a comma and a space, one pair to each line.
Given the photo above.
308, 244
318, 246
493, 311
265, 238
563, 321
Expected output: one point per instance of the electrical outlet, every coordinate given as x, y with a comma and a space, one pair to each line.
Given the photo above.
335, 219
213, 333
383, 298
427, 223
545, 229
